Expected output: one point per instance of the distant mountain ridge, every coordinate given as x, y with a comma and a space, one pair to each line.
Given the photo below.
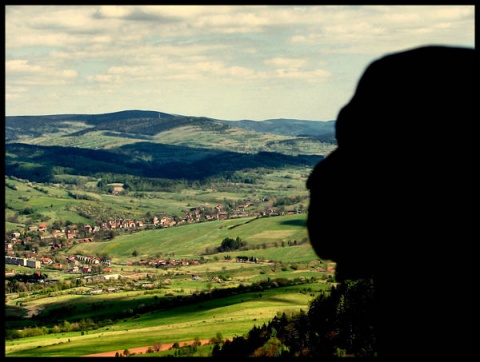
153, 122
156, 145
288, 127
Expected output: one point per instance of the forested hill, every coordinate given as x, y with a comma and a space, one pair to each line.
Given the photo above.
288, 127
133, 121
152, 144
42, 163
150, 123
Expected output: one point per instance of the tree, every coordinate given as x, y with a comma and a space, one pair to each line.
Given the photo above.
196, 341
231, 244
217, 339
27, 210
338, 323
273, 348
216, 349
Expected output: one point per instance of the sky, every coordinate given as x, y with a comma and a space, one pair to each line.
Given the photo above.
229, 62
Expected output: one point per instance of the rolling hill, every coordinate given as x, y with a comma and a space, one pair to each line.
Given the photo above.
287, 127
149, 123
209, 180
155, 145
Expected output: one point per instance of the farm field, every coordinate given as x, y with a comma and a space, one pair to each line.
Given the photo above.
27, 201
264, 235
151, 306
151, 231
229, 316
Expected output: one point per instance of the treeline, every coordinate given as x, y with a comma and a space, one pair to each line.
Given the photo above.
44, 163
46, 322
83, 325
337, 324
133, 183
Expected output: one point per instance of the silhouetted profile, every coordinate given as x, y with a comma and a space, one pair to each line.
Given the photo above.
394, 201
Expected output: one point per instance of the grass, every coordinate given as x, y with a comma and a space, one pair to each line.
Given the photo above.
231, 316
196, 238
50, 202
267, 239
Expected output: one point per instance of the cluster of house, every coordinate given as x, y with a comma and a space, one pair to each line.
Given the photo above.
158, 263
193, 215
197, 214
71, 233
212, 279
83, 264
29, 263
77, 262
75, 259
15, 238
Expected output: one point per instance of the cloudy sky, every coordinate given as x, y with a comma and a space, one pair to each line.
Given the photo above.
224, 62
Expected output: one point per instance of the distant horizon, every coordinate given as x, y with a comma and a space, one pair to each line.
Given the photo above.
228, 62
174, 114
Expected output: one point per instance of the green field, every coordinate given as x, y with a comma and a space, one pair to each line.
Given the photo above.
214, 182
187, 242
280, 244
229, 316
30, 202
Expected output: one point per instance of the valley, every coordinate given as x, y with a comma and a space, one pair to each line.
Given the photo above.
125, 223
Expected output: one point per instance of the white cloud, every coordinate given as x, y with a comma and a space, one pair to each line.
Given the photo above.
68, 73
286, 62
111, 11
381, 29
20, 65
94, 51
19, 72
101, 78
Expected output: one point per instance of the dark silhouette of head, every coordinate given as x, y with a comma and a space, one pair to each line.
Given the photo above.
393, 202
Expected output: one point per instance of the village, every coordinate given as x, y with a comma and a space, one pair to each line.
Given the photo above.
22, 247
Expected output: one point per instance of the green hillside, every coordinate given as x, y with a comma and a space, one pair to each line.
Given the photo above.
166, 305
147, 144
231, 252
230, 316
113, 130
263, 236
78, 199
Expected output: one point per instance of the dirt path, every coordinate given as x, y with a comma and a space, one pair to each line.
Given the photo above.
142, 350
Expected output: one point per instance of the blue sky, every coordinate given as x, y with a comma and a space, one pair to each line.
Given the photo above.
225, 62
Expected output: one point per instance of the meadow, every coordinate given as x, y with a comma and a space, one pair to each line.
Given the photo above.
29, 202
260, 234
166, 305
229, 317
60, 171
